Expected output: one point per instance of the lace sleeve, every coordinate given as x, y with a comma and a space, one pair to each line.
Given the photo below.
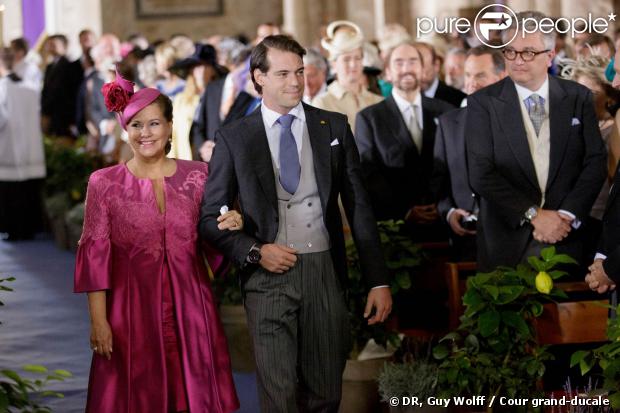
94, 250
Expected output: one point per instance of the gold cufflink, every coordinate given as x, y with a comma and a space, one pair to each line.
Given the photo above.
323, 122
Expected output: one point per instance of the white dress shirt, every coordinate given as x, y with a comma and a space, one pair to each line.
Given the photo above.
406, 109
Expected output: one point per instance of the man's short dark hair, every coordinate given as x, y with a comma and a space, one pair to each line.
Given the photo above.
499, 65
596, 39
258, 58
20, 44
60, 37
428, 47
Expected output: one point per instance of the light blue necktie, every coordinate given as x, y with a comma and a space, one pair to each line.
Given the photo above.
536, 110
290, 169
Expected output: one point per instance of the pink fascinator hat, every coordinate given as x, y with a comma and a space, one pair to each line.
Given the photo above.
119, 97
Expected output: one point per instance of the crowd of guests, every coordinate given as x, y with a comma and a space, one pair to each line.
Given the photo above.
499, 152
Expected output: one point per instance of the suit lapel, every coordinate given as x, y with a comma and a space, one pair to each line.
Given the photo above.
508, 110
428, 130
320, 141
257, 141
559, 126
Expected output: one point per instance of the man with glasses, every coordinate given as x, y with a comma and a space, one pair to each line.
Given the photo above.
535, 153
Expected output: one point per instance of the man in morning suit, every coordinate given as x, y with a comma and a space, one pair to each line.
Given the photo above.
395, 138
535, 154
483, 66
287, 163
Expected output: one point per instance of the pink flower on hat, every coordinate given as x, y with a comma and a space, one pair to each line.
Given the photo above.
115, 97
117, 93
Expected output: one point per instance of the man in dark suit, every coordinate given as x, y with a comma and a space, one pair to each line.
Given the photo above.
59, 94
211, 113
432, 86
287, 163
483, 66
535, 154
395, 138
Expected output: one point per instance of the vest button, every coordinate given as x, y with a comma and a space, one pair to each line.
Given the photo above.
308, 225
292, 245
309, 245
288, 206
309, 204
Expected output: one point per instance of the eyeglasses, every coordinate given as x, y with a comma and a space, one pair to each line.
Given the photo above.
526, 55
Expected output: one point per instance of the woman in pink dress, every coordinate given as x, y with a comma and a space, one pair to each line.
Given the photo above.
157, 340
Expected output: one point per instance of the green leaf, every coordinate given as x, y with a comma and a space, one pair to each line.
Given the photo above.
63, 373
489, 322
12, 375
472, 343
492, 290
555, 274
34, 368
577, 357
403, 279
547, 253
536, 263
440, 351
508, 294
586, 364
514, 319
562, 259
536, 308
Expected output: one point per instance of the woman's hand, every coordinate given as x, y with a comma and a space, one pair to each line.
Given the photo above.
231, 220
101, 338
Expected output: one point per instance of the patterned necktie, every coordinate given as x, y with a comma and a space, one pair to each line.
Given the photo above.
536, 109
414, 129
290, 169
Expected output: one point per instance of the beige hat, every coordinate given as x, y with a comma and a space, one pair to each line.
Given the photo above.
393, 35
342, 36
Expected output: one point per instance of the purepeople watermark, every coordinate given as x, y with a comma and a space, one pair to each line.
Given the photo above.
498, 17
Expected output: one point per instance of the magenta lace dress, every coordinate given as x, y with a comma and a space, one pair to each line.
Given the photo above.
169, 349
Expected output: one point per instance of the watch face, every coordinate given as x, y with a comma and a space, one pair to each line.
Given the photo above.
254, 257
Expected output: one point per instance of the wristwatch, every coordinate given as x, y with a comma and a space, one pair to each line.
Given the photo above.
531, 213
254, 256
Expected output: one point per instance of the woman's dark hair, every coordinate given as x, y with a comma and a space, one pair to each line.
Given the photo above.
165, 104
259, 60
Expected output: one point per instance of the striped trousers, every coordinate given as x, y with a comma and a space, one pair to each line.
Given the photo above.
300, 331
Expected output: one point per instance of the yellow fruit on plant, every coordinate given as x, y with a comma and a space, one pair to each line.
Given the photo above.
544, 283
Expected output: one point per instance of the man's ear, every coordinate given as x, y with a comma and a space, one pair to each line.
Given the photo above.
259, 77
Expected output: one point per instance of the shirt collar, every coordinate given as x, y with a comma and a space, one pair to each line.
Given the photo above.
432, 89
270, 117
403, 104
338, 91
525, 93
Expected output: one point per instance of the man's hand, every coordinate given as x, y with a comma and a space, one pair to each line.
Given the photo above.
550, 226
277, 258
206, 150
455, 222
381, 300
423, 214
597, 279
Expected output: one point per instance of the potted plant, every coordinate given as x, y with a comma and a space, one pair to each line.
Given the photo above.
402, 256
415, 376
494, 351
607, 357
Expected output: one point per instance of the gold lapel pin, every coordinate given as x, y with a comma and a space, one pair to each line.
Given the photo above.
323, 122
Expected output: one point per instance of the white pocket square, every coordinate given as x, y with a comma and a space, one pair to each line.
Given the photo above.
575, 122
335, 142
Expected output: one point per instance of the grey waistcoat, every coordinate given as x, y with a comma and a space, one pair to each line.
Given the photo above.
301, 223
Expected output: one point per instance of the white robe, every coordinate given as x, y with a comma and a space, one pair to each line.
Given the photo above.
21, 141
